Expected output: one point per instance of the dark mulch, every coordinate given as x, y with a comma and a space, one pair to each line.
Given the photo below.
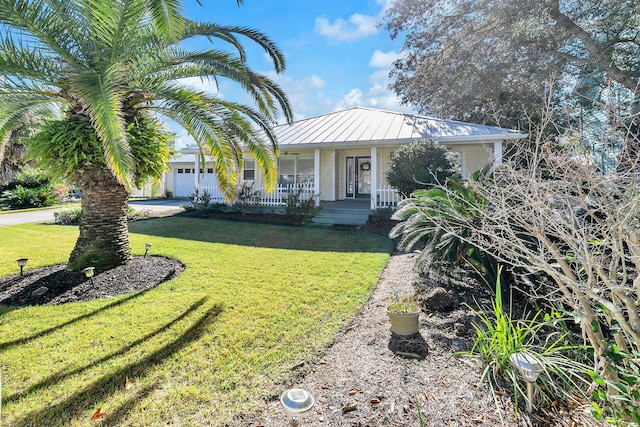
63, 286
256, 217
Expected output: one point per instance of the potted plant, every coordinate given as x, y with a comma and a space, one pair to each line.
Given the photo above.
403, 313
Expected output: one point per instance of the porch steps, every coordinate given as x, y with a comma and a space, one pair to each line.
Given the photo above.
333, 214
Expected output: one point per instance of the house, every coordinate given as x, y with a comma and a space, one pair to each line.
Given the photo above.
345, 155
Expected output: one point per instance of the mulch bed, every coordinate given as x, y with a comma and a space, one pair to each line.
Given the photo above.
63, 286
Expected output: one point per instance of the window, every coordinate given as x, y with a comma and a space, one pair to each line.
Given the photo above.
286, 171
295, 171
304, 172
209, 170
249, 172
180, 170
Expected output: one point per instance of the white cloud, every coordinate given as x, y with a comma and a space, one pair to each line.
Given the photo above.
378, 95
381, 59
200, 84
386, 5
317, 82
357, 27
302, 93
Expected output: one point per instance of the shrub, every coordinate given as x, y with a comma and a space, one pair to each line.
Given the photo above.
23, 197
422, 219
72, 216
300, 208
247, 200
420, 165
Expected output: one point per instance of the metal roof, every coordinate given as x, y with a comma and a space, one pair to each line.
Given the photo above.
359, 126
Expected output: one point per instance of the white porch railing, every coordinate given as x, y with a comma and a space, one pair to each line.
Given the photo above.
387, 197
258, 195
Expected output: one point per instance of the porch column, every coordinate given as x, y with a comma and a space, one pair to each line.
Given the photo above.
196, 178
316, 175
334, 175
164, 184
374, 178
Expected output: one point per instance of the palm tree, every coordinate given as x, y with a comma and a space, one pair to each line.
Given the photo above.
113, 68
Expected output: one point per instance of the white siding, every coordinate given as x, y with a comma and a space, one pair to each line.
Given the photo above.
474, 156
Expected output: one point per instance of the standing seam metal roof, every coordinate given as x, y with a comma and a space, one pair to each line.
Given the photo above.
361, 125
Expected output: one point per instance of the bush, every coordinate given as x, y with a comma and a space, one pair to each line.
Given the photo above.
22, 198
420, 165
31, 188
72, 216
422, 219
69, 216
299, 208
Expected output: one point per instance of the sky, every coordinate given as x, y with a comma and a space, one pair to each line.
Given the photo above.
338, 54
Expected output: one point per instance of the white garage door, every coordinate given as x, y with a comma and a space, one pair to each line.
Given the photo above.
184, 182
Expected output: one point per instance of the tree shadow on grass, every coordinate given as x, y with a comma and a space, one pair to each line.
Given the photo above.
24, 340
62, 375
86, 399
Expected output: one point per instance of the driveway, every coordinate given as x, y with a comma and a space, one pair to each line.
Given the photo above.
159, 207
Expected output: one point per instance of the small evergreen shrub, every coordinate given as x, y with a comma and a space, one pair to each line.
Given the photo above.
420, 165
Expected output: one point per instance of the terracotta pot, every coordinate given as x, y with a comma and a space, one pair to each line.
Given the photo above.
404, 324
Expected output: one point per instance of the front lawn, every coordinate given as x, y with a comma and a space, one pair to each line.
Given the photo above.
253, 302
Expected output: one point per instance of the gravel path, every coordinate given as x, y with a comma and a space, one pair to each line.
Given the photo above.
360, 381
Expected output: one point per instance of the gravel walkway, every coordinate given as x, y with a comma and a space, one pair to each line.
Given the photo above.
363, 381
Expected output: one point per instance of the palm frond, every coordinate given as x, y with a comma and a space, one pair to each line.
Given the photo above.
228, 34
21, 62
47, 25
13, 116
101, 95
167, 17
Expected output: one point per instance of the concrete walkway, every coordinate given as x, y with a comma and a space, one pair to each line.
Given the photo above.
159, 207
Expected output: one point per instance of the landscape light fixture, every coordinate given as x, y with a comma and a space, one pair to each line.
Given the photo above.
21, 263
89, 271
146, 248
296, 402
529, 368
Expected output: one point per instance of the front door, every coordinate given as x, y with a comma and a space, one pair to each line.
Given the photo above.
358, 177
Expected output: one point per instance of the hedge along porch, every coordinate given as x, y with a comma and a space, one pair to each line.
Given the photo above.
346, 155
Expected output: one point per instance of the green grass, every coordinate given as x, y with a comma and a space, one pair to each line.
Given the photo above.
254, 301
44, 208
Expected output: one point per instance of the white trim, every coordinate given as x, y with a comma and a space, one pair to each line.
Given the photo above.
316, 174
374, 177
196, 179
497, 155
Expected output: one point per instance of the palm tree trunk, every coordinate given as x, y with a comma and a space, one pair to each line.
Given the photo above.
104, 238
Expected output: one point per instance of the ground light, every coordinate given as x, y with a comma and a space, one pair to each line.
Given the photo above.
147, 246
21, 263
529, 368
296, 402
89, 271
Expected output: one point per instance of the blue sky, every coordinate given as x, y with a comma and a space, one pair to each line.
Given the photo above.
338, 55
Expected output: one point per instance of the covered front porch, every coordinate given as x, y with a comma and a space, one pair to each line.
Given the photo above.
329, 175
